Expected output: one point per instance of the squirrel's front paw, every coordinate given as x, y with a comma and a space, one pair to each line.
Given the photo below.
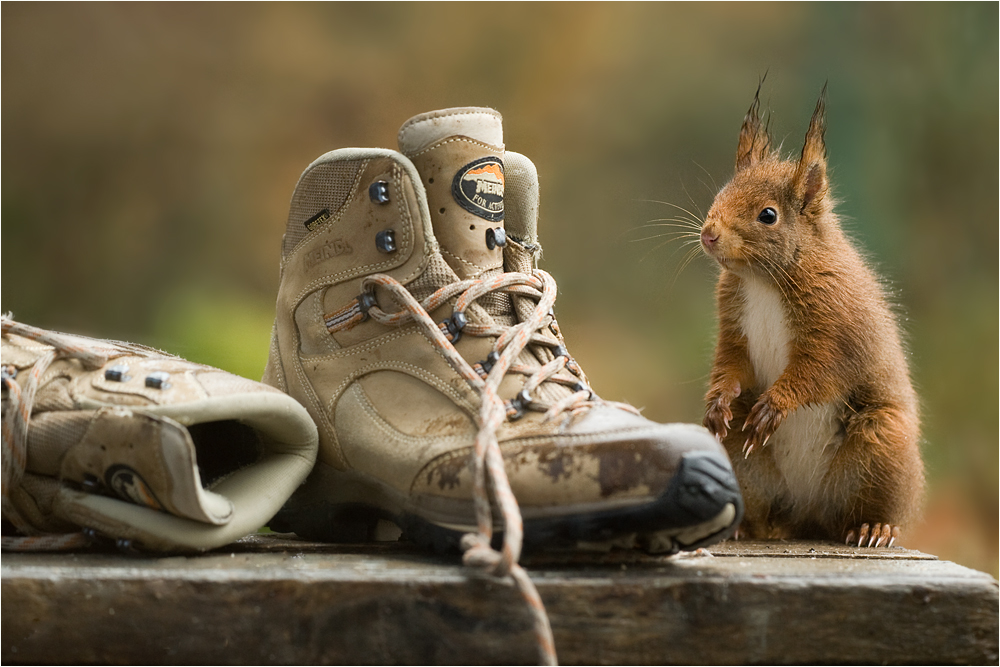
879, 535
719, 414
717, 418
761, 424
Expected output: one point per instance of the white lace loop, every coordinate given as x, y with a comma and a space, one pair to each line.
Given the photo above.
17, 419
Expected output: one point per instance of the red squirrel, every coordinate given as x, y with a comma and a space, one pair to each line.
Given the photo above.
810, 391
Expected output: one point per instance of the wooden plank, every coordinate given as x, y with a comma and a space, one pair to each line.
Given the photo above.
272, 600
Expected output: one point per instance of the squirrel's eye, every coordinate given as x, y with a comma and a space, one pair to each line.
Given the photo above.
768, 216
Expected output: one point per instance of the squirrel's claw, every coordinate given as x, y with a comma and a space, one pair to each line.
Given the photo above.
879, 535
761, 423
718, 415
717, 421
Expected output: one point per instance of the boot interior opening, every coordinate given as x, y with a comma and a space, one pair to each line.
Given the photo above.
223, 447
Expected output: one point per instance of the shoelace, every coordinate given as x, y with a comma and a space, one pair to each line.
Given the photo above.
17, 418
488, 461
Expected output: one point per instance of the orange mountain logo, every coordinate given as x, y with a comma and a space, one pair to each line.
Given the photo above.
130, 486
478, 188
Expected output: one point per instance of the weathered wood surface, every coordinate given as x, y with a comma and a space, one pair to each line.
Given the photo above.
274, 601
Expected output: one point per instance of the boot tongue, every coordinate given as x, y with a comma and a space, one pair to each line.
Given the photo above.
459, 155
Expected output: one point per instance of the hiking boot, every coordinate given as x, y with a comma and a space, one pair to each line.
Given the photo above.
129, 443
413, 325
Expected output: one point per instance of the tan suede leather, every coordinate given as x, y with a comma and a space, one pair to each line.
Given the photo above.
459, 232
396, 421
144, 446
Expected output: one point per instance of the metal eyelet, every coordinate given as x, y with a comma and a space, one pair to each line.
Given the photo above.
452, 327
517, 405
521, 400
496, 237
158, 380
385, 241
365, 302
90, 483
117, 373
514, 411
379, 192
484, 367
491, 360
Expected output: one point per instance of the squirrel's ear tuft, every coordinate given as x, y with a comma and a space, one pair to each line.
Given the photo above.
754, 140
810, 180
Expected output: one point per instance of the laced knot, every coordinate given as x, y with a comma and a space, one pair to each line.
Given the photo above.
20, 390
534, 296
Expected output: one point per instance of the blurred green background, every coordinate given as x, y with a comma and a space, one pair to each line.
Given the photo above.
150, 151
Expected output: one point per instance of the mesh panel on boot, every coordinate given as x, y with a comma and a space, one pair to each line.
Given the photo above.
54, 396
437, 275
520, 197
497, 304
325, 186
34, 499
50, 435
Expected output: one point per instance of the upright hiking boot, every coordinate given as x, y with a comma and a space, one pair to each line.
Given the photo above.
414, 326
112, 440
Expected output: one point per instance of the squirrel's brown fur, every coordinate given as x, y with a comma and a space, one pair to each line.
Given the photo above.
810, 391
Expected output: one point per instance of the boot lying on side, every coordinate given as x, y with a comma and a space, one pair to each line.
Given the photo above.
115, 440
410, 299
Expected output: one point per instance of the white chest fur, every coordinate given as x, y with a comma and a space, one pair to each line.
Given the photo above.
765, 324
809, 436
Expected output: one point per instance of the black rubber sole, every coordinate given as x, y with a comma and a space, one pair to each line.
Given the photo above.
698, 494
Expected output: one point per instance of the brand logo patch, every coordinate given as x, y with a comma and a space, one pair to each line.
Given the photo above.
318, 219
478, 188
129, 486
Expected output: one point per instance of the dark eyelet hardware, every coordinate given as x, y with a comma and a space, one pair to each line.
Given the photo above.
496, 236
560, 351
385, 241
579, 386
491, 360
117, 373
379, 192
517, 405
484, 367
452, 327
158, 380
90, 483
365, 302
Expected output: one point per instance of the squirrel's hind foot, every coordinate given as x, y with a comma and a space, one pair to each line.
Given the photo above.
879, 535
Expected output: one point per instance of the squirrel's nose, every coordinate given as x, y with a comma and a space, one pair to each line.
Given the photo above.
708, 239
